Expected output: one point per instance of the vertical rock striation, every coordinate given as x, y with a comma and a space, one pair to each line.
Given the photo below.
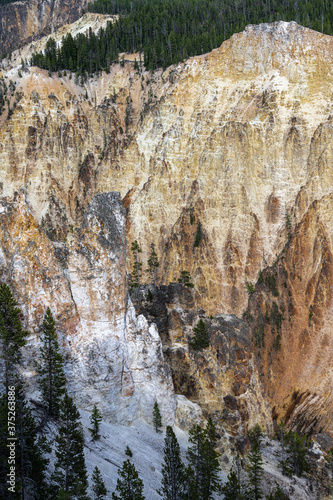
23, 21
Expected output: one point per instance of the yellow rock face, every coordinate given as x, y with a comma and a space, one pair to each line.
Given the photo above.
227, 139
234, 140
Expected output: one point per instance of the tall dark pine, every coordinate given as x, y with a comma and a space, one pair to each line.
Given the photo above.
136, 250
200, 339
52, 379
70, 468
232, 488
99, 488
30, 449
129, 485
157, 419
203, 461
95, 420
211, 462
255, 471
12, 335
153, 264
173, 472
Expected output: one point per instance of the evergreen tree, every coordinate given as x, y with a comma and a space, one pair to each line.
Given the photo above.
256, 472
185, 279
198, 236
153, 264
157, 419
203, 470
232, 488
70, 468
52, 378
12, 335
95, 420
200, 339
277, 494
129, 485
173, 472
295, 462
211, 463
31, 463
136, 250
128, 451
99, 488
255, 436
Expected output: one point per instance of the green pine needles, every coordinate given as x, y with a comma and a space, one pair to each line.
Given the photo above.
129, 485
52, 380
185, 279
157, 419
173, 470
70, 468
99, 488
137, 265
12, 335
200, 339
95, 421
169, 32
153, 264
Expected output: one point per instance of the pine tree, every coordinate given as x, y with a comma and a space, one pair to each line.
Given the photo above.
200, 338
185, 279
277, 494
157, 419
99, 488
256, 472
232, 488
153, 264
203, 470
52, 378
255, 436
30, 449
173, 471
136, 250
129, 485
295, 462
70, 468
12, 335
128, 451
95, 420
211, 463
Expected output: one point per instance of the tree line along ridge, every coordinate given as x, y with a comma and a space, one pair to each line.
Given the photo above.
167, 32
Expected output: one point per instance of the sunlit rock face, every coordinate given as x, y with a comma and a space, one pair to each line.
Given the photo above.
227, 140
211, 158
291, 323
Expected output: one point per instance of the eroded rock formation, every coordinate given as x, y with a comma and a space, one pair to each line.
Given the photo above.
211, 158
113, 358
21, 22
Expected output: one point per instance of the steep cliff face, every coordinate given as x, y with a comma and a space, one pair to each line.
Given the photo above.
223, 378
112, 357
21, 22
290, 315
227, 139
211, 158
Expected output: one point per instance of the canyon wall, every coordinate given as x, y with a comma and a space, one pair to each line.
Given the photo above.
224, 162
23, 21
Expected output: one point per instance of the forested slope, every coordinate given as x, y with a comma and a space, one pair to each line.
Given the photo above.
169, 31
